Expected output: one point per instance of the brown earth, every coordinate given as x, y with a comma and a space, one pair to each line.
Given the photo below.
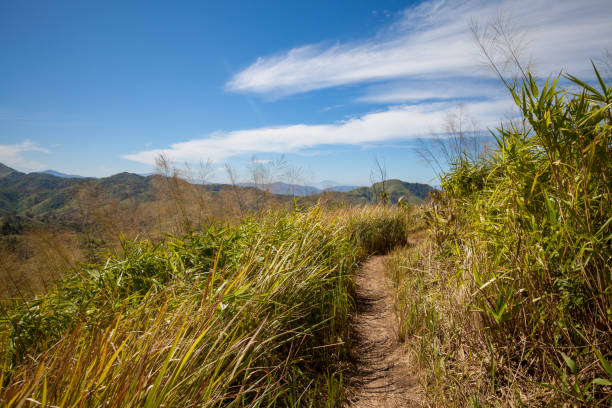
380, 375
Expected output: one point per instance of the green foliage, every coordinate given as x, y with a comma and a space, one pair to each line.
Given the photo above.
415, 193
249, 315
466, 177
539, 211
5, 170
44, 195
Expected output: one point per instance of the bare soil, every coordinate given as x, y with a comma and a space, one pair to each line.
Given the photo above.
380, 374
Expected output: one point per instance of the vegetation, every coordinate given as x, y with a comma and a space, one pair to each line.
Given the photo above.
52, 223
5, 170
414, 193
45, 197
49, 224
509, 301
254, 314
155, 291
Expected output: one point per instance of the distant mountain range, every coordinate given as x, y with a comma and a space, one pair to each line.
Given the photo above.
330, 185
300, 190
414, 193
278, 187
50, 195
63, 175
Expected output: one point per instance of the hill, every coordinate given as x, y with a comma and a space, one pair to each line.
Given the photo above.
415, 193
59, 174
34, 198
34, 193
300, 190
5, 170
340, 188
286, 189
48, 198
330, 185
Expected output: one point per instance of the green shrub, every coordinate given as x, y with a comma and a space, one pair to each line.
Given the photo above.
535, 218
250, 315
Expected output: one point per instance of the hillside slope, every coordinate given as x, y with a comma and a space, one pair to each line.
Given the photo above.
43, 197
255, 314
415, 193
5, 170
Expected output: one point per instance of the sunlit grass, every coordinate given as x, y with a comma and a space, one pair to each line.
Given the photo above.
509, 300
250, 315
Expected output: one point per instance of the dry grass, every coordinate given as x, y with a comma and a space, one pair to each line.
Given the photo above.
508, 301
446, 336
247, 315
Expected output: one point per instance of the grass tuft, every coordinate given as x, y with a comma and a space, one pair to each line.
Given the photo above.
254, 314
509, 301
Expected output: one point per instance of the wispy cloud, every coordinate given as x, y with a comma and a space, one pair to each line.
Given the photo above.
433, 39
423, 63
395, 123
434, 89
12, 155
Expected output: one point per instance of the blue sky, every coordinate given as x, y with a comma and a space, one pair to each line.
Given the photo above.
95, 88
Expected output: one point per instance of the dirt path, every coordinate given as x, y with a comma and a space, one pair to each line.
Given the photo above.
380, 375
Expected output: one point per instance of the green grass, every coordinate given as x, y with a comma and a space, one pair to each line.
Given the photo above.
249, 315
414, 193
512, 294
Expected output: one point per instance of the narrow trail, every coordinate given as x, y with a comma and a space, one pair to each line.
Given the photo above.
380, 375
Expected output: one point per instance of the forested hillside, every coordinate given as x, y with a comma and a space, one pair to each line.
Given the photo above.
43, 197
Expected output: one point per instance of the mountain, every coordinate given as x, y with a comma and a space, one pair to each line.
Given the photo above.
286, 189
300, 190
5, 170
342, 189
58, 174
330, 185
123, 186
326, 184
415, 193
34, 198
34, 193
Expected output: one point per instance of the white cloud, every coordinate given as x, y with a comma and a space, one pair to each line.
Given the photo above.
396, 123
434, 39
414, 91
12, 155
428, 53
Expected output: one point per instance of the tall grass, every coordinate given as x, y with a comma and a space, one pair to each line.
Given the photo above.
250, 315
518, 283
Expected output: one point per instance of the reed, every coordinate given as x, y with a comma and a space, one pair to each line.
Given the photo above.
512, 295
254, 314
